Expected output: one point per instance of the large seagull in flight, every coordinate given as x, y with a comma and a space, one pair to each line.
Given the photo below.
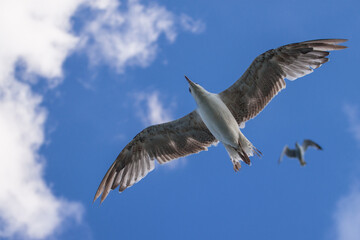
218, 116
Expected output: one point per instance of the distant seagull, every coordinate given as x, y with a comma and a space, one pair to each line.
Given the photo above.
218, 116
299, 151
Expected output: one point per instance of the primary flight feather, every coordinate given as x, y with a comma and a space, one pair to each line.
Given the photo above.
218, 116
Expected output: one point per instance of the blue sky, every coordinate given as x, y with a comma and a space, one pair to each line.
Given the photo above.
78, 80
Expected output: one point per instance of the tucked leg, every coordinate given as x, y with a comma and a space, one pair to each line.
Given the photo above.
237, 165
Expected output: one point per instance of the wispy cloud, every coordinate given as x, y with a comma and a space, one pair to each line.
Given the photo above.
347, 216
123, 36
347, 212
38, 40
150, 109
352, 113
192, 25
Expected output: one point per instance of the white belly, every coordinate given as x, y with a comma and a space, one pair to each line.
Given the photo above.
219, 120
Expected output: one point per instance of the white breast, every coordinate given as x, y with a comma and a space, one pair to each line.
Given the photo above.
218, 119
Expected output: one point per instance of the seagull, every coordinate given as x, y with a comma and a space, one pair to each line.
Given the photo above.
217, 116
299, 151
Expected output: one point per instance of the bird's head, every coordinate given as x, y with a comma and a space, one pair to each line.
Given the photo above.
297, 145
195, 89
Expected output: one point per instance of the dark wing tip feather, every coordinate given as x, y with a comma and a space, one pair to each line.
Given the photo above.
102, 184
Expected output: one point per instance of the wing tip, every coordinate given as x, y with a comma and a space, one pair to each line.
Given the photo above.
99, 191
338, 41
103, 196
96, 197
338, 47
330, 44
328, 40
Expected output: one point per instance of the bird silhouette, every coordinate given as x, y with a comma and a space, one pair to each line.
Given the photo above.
299, 151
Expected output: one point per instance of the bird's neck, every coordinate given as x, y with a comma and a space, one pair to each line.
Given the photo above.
202, 96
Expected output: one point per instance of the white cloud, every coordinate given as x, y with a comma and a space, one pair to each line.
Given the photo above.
150, 109
347, 212
37, 37
354, 120
128, 35
347, 216
36, 34
192, 25
27, 206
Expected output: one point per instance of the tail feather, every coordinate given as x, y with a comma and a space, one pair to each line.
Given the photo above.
247, 150
243, 155
243, 151
233, 154
237, 154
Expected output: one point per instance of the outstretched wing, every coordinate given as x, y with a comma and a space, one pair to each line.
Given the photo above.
308, 143
288, 152
163, 142
265, 76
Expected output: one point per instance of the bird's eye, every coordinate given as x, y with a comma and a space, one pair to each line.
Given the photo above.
190, 90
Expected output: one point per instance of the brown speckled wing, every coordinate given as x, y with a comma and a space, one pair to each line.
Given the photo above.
163, 142
265, 76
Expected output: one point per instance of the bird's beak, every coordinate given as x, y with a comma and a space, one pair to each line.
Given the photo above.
189, 81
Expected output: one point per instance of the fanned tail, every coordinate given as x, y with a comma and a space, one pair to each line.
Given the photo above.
243, 155
242, 152
237, 154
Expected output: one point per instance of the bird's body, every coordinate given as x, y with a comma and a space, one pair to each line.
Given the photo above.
222, 124
218, 116
299, 151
